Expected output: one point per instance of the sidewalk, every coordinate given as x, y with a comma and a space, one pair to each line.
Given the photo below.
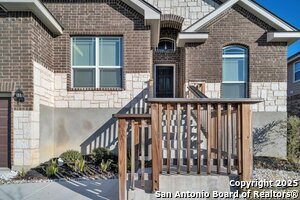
63, 190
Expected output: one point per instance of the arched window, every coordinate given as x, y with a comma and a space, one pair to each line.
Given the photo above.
166, 45
235, 72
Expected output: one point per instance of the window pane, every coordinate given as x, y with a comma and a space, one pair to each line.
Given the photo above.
110, 52
234, 50
83, 50
234, 69
297, 67
234, 90
110, 77
297, 76
84, 77
166, 45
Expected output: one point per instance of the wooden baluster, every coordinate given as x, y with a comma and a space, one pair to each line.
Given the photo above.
132, 154
168, 139
246, 143
122, 158
208, 127
143, 153
160, 115
219, 138
229, 134
238, 136
199, 138
178, 137
155, 147
137, 143
188, 139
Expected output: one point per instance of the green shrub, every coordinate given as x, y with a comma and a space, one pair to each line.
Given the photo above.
293, 139
52, 168
71, 156
22, 173
101, 153
104, 166
80, 165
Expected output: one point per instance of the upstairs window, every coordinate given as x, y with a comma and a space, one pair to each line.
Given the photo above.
97, 62
235, 72
166, 45
297, 72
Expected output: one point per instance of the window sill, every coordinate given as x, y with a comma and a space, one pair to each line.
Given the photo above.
97, 89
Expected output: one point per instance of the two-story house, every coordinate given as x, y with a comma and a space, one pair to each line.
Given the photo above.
293, 91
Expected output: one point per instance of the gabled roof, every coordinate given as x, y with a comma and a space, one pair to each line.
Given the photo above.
38, 9
250, 6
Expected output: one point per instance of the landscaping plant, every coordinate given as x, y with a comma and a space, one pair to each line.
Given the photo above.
71, 156
52, 169
104, 166
293, 139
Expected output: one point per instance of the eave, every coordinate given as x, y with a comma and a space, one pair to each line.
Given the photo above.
38, 9
191, 37
289, 37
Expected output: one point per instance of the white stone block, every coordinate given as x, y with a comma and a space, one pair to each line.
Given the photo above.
88, 95
74, 104
99, 97
21, 144
85, 104
283, 86
280, 93
78, 96
282, 108
275, 86
61, 104
271, 108
138, 85
18, 158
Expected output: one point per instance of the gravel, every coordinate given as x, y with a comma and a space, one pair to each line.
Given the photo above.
272, 175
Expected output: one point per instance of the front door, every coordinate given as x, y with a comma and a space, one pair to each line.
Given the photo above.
4, 132
164, 83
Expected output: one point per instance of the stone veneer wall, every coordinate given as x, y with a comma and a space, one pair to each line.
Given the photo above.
190, 10
274, 94
50, 89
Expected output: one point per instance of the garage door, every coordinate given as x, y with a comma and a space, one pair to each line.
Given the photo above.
5, 132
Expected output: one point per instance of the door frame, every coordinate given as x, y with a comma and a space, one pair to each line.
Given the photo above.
164, 65
7, 96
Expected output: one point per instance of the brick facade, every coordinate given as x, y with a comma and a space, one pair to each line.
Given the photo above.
267, 62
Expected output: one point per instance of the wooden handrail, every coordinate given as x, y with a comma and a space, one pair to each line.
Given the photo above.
225, 123
205, 100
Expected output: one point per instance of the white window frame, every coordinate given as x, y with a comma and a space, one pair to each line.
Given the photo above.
294, 72
245, 57
169, 51
97, 66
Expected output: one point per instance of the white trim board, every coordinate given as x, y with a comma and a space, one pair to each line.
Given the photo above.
174, 76
252, 7
193, 37
289, 37
38, 9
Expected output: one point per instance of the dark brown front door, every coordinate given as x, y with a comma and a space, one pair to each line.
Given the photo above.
5, 132
164, 82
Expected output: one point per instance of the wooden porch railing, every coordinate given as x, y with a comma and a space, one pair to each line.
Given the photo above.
207, 135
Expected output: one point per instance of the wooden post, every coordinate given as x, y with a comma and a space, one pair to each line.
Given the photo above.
160, 114
143, 153
178, 138
168, 139
122, 159
155, 148
246, 143
219, 138
137, 144
229, 134
208, 127
199, 138
188, 138
239, 138
132, 153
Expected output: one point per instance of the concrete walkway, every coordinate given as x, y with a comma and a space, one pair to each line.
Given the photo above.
63, 190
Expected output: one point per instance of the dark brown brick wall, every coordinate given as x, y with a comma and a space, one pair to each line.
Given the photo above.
267, 61
171, 58
95, 18
23, 39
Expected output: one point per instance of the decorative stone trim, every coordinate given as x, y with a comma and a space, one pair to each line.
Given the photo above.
171, 21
